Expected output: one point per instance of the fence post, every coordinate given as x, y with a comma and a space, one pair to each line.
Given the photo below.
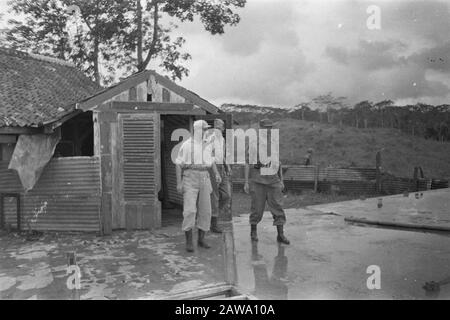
316, 178
378, 172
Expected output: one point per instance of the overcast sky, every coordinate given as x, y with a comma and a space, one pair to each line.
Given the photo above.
288, 51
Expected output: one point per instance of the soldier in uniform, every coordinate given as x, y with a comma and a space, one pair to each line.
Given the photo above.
221, 195
193, 164
308, 158
265, 188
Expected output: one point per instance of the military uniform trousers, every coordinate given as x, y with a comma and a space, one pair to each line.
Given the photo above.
221, 195
272, 195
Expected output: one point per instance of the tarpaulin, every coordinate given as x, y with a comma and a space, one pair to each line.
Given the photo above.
31, 155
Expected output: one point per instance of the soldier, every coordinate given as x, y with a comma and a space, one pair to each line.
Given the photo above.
221, 195
265, 188
308, 158
192, 164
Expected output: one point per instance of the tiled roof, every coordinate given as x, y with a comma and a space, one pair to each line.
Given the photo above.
36, 90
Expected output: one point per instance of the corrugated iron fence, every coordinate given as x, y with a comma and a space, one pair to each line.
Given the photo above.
342, 180
66, 197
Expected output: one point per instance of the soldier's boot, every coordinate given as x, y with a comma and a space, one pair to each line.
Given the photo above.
189, 243
281, 238
201, 240
253, 232
214, 226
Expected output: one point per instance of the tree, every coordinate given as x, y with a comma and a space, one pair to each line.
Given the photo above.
380, 109
362, 110
44, 30
117, 36
302, 109
330, 104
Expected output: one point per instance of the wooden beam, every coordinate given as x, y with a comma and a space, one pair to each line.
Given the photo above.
150, 107
21, 130
122, 106
201, 293
7, 138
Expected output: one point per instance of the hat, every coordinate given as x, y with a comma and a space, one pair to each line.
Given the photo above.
201, 124
219, 124
266, 123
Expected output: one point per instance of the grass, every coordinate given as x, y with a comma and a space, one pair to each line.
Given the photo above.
347, 146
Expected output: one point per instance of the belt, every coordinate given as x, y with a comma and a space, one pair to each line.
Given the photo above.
259, 165
197, 169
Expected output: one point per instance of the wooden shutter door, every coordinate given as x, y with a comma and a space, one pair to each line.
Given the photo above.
140, 173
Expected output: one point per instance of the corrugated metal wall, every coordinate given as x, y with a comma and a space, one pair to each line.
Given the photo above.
343, 180
347, 174
66, 197
392, 185
307, 173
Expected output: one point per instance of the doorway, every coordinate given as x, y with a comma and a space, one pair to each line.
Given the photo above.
171, 200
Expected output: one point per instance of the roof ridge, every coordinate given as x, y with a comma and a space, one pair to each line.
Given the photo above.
35, 56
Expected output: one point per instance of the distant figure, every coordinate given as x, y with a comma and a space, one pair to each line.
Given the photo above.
308, 158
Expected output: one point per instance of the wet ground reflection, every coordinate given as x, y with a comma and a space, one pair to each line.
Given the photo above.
273, 287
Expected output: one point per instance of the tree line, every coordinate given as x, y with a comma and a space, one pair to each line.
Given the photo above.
424, 120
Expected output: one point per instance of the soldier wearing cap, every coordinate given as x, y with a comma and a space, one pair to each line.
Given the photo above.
221, 195
265, 188
193, 180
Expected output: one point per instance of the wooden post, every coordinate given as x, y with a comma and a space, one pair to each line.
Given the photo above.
378, 171
230, 257
229, 253
316, 178
2, 217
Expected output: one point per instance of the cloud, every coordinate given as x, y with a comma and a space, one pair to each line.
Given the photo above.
392, 74
267, 77
436, 58
262, 22
369, 55
428, 20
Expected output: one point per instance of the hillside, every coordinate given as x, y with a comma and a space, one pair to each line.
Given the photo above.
349, 146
